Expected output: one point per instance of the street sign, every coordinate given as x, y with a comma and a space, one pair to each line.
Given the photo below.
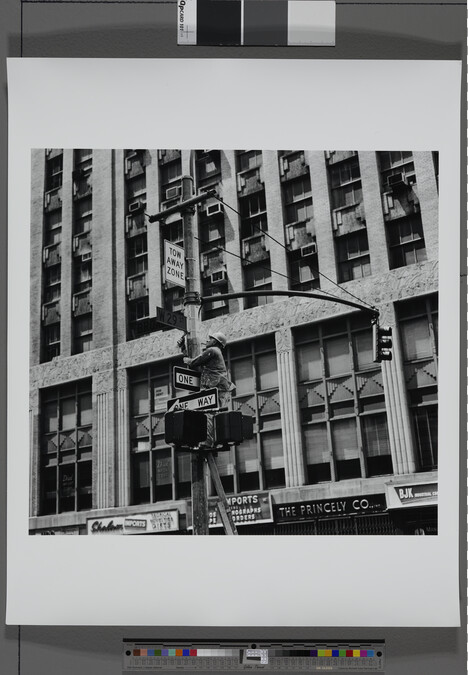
172, 319
184, 378
208, 398
174, 263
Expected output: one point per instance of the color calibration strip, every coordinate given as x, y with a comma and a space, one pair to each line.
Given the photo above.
256, 22
336, 656
354, 653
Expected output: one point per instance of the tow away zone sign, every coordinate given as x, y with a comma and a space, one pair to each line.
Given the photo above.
174, 263
204, 399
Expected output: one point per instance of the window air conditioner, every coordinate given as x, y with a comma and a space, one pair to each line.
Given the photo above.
309, 249
337, 219
86, 256
219, 277
173, 192
213, 209
135, 206
396, 180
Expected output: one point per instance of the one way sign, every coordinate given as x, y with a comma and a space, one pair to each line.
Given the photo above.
184, 378
203, 399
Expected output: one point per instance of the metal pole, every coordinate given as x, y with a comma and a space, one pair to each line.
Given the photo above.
192, 302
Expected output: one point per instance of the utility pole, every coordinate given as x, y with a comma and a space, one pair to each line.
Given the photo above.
192, 302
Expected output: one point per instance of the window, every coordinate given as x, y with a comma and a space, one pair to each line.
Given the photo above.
341, 399
298, 199
52, 227
253, 214
254, 371
397, 162
158, 472
52, 277
137, 255
54, 172
83, 274
208, 167
257, 278
353, 256
51, 341
406, 241
249, 159
170, 172
418, 323
66, 448
303, 272
345, 182
136, 246
83, 327
83, 215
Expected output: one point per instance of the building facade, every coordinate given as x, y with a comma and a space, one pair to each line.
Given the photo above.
343, 445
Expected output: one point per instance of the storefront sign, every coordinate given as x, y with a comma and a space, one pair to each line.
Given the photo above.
329, 508
250, 509
58, 530
141, 523
414, 494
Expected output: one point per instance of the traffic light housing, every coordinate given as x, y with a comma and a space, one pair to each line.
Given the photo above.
381, 343
232, 427
185, 427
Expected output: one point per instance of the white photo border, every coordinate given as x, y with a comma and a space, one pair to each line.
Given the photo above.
233, 581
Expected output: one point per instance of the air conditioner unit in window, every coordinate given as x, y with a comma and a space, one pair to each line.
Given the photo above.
397, 180
219, 277
337, 219
86, 256
213, 209
173, 192
135, 205
309, 249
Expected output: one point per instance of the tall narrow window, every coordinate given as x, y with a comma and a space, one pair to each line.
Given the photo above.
82, 251
65, 476
418, 330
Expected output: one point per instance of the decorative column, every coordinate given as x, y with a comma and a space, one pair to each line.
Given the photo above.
66, 338
123, 440
34, 453
153, 234
231, 227
102, 234
120, 307
396, 402
290, 419
103, 455
37, 234
275, 219
322, 217
375, 225
428, 195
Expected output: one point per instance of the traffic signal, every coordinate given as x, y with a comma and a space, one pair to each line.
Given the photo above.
232, 427
185, 427
381, 343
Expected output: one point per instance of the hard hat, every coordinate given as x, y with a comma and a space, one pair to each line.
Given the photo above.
219, 337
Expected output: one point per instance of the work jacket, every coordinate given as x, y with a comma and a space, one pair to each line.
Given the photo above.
213, 369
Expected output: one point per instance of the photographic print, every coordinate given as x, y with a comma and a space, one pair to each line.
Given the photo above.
341, 398
227, 376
